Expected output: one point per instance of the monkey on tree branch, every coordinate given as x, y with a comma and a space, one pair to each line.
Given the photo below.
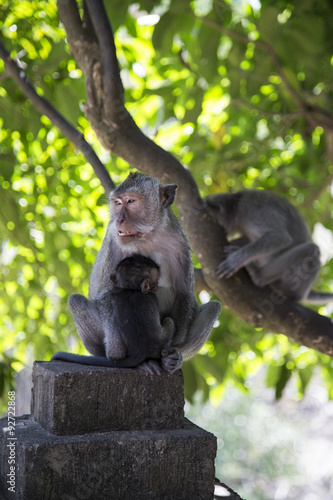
91, 42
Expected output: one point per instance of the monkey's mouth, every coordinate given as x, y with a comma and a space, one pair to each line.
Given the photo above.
129, 234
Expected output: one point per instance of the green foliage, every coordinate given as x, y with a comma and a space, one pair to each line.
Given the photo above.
203, 80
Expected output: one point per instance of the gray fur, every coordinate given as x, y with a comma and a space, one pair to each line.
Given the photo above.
130, 312
163, 240
273, 242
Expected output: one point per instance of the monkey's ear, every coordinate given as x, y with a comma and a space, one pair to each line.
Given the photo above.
113, 278
168, 194
145, 286
154, 277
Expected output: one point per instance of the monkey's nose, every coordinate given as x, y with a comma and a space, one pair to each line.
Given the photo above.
121, 217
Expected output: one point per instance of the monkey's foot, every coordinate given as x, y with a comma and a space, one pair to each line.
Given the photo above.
151, 366
227, 267
172, 361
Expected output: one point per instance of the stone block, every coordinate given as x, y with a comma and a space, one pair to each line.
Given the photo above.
134, 465
69, 398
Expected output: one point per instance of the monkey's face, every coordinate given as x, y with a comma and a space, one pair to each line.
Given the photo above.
139, 209
133, 216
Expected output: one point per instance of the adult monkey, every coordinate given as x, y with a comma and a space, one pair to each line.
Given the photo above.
142, 222
274, 243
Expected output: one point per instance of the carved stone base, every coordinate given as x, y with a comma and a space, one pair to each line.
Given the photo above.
106, 434
132, 465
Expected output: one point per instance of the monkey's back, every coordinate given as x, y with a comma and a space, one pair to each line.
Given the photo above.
137, 321
260, 210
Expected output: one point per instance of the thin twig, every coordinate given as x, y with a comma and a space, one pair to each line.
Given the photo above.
269, 114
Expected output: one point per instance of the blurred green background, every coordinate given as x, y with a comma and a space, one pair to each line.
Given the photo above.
240, 92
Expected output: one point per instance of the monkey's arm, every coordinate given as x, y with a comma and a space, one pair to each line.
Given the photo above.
268, 243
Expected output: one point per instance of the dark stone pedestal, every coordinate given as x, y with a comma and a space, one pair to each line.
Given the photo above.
106, 434
69, 398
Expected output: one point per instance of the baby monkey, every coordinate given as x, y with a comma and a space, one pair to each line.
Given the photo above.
131, 312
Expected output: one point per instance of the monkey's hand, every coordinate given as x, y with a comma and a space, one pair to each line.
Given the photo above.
171, 359
231, 263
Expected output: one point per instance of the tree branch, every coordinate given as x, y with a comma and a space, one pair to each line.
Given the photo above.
113, 87
74, 24
45, 108
199, 281
118, 132
269, 114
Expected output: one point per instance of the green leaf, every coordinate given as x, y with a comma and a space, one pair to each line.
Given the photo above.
163, 33
284, 376
116, 11
305, 376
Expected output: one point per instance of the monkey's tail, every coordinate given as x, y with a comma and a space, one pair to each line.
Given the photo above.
130, 362
315, 297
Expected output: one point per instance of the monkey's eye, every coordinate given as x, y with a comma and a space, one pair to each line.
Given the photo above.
131, 200
117, 202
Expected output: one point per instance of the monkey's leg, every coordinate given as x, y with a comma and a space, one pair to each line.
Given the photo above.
291, 273
200, 329
265, 246
183, 311
172, 358
168, 329
88, 324
114, 346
